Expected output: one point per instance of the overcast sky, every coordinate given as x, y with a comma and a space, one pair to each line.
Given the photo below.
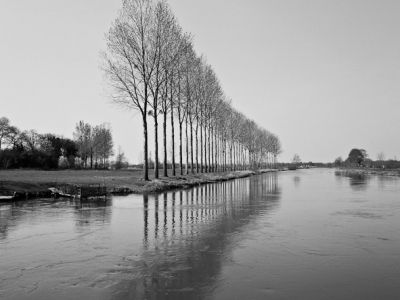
323, 75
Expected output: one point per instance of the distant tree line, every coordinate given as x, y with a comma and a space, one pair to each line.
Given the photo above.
359, 158
91, 147
153, 68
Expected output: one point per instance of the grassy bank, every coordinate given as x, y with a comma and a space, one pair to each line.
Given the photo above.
367, 171
35, 181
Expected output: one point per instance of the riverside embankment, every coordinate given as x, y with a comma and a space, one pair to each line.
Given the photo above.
367, 171
36, 183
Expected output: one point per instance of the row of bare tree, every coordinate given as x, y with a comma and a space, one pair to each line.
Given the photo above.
94, 143
152, 68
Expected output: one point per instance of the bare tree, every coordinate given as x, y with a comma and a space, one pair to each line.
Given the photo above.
150, 62
189, 79
8, 133
103, 143
163, 22
131, 60
83, 139
180, 107
4, 129
175, 43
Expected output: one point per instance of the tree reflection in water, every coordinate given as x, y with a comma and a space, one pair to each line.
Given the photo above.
184, 263
93, 212
5, 216
358, 181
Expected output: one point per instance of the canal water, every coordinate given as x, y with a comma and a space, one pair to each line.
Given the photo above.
306, 234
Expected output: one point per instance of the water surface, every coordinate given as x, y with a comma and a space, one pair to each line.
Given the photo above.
294, 235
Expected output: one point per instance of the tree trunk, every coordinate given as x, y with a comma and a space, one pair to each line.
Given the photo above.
216, 154
197, 146
214, 145
180, 148
156, 162
173, 140
231, 156
225, 155
214, 149
191, 147
205, 148
236, 157
243, 158
209, 149
91, 158
187, 147
201, 145
165, 141
146, 158
210, 152
240, 154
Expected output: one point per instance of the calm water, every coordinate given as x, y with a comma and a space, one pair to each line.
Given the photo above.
294, 235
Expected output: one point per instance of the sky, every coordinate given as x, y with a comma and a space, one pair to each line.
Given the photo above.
322, 75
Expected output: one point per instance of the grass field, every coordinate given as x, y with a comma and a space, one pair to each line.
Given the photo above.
37, 180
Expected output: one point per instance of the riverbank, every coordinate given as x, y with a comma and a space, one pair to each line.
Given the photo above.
36, 183
365, 171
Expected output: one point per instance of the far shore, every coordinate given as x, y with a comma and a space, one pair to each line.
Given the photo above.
36, 183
